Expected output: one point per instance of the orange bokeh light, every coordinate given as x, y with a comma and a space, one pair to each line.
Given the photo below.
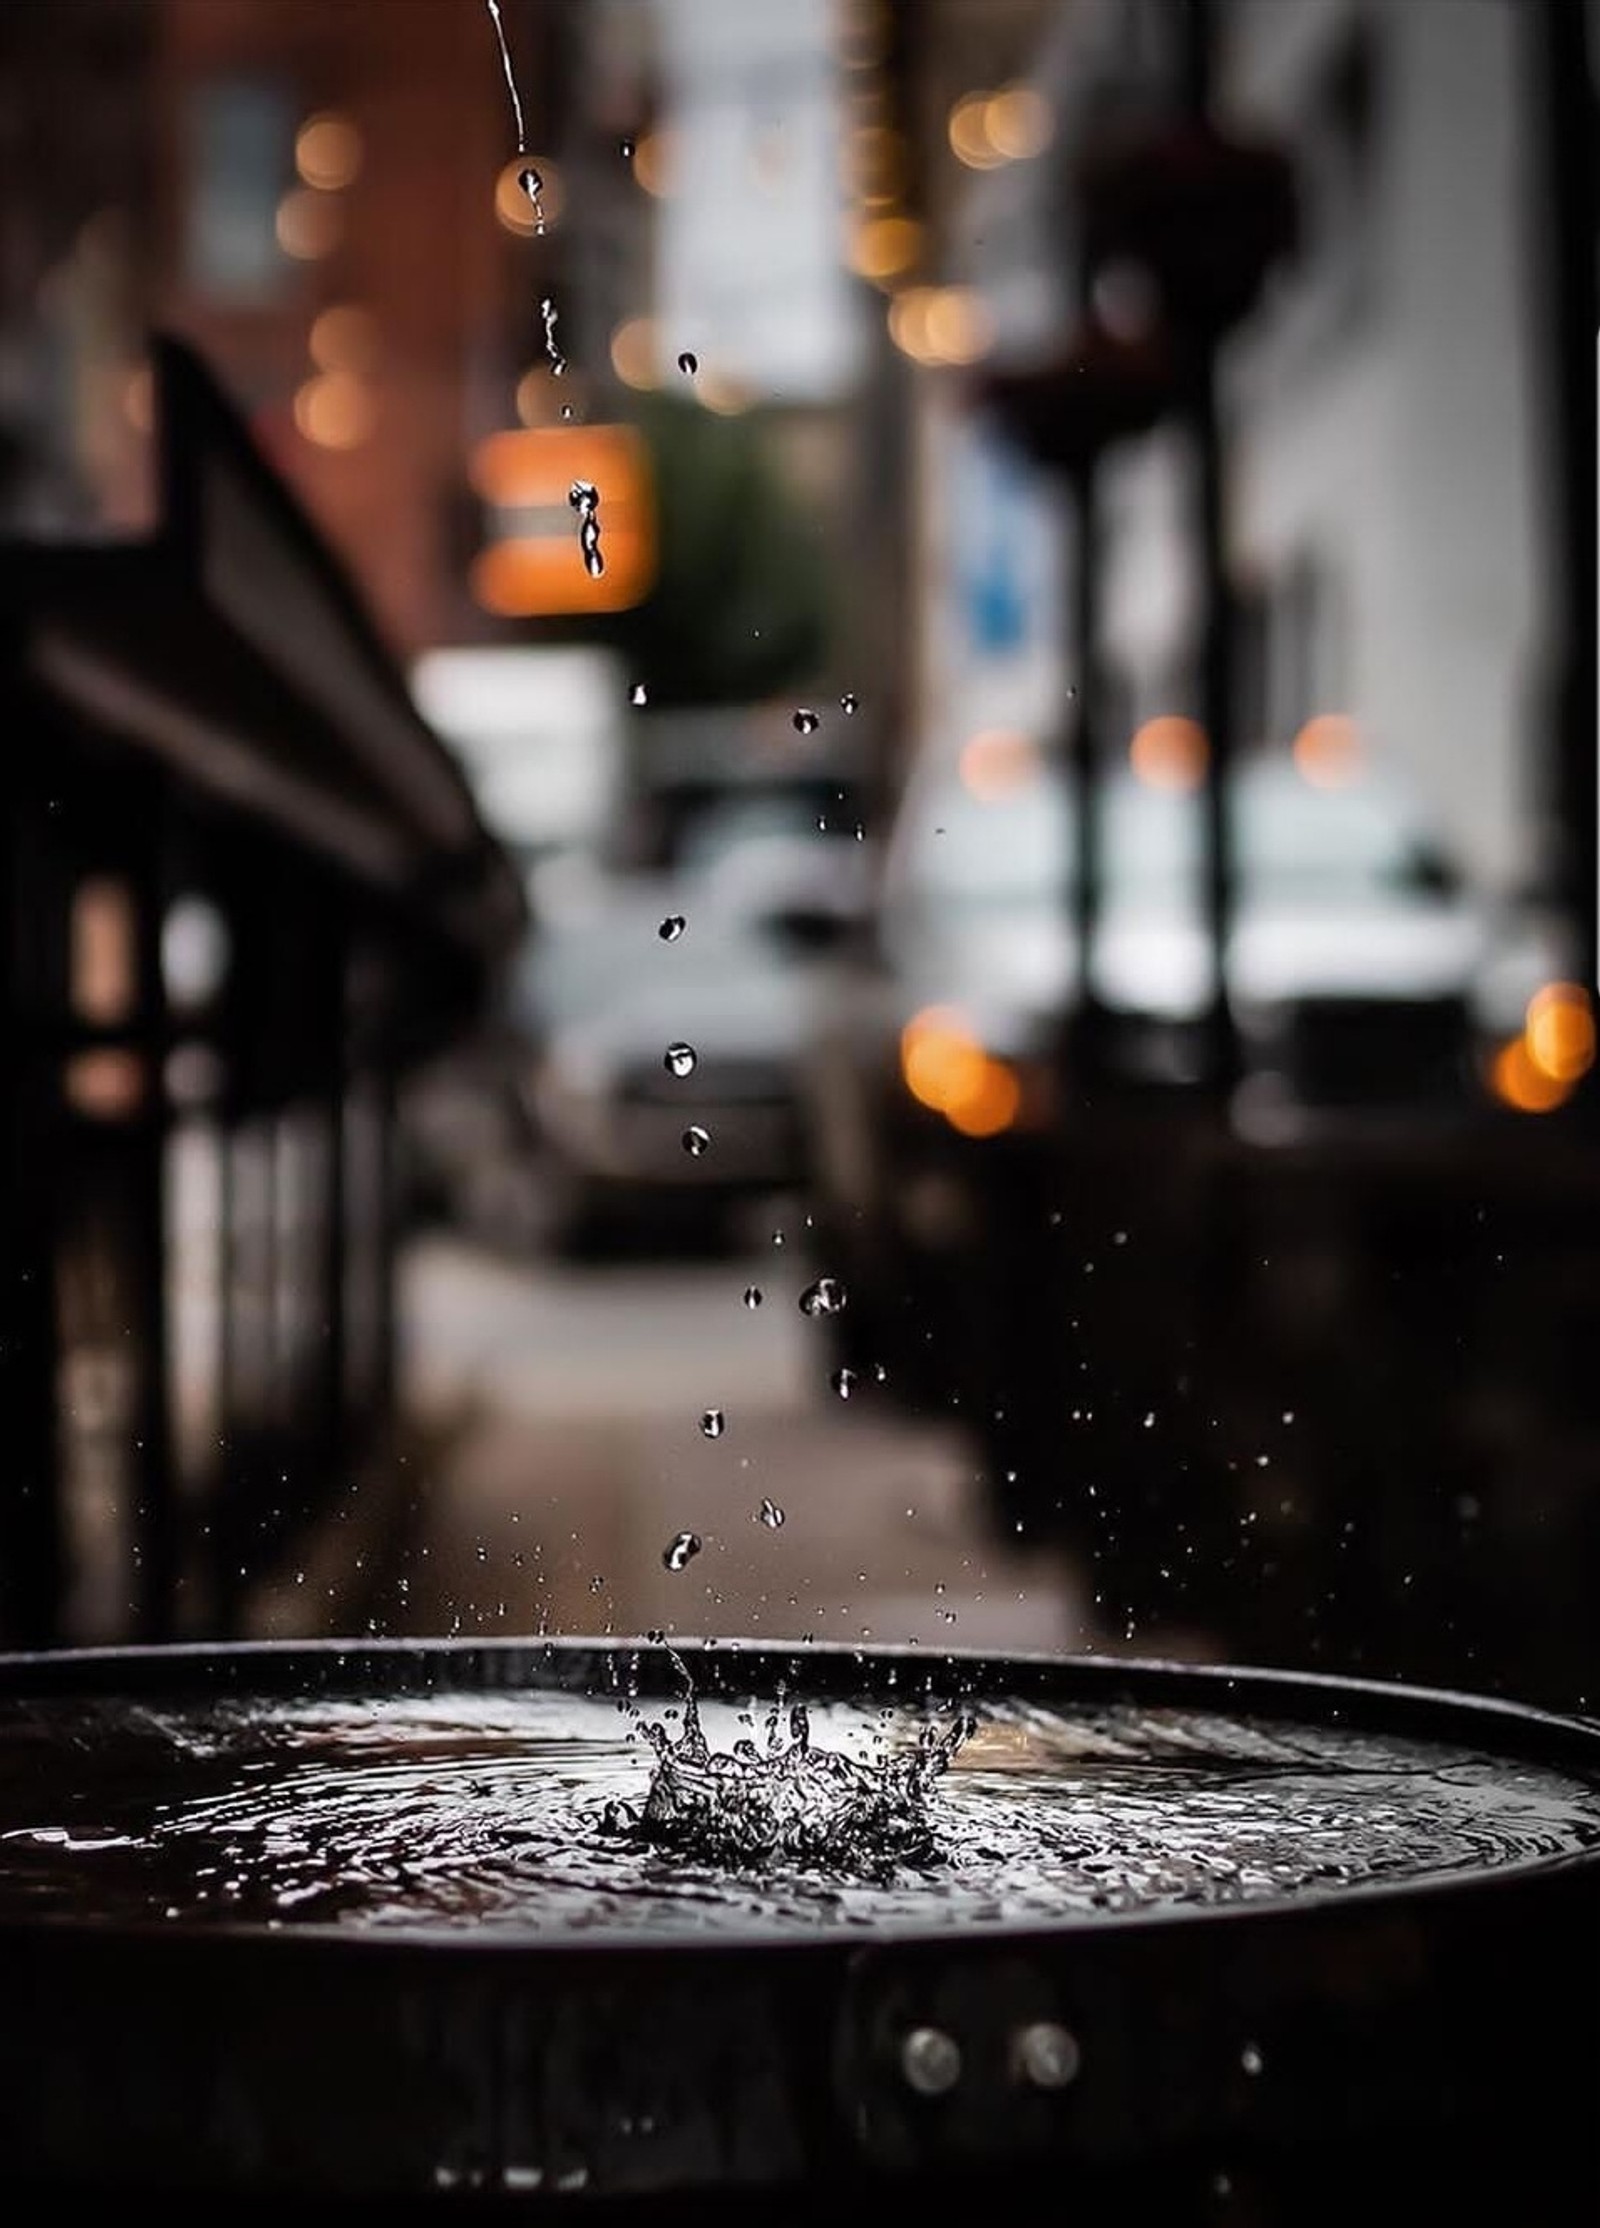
997, 762
1328, 751
1169, 752
1559, 1032
1518, 1082
946, 1068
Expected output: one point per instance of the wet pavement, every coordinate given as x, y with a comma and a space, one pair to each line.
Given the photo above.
555, 1450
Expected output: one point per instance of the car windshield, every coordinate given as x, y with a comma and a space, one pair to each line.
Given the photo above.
1292, 840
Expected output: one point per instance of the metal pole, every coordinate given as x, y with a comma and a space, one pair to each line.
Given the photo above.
1216, 650
1082, 760
1562, 133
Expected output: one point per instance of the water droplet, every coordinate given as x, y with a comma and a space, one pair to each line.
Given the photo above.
679, 1058
638, 694
806, 722
1251, 2059
696, 1140
777, 1237
770, 1514
844, 1382
558, 362
849, 703
714, 1423
752, 1295
584, 498
672, 928
625, 149
533, 186
825, 1297
688, 363
681, 1550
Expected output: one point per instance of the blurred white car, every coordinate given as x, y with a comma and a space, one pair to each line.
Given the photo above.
663, 1084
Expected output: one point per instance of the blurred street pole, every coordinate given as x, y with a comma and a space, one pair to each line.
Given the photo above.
1562, 127
1216, 650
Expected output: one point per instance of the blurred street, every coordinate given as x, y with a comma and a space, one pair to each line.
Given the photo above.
558, 1452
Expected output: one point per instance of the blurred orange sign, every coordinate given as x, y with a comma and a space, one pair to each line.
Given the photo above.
532, 564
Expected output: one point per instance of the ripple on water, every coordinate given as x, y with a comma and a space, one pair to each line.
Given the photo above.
536, 1812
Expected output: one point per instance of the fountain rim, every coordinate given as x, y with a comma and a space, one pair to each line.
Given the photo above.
733, 1669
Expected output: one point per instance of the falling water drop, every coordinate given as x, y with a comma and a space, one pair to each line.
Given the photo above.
511, 88
681, 1550
696, 1140
558, 362
806, 721
770, 1514
672, 928
638, 695
849, 703
679, 1059
584, 497
844, 1382
625, 149
714, 1423
825, 1297
752, 1295
688, 363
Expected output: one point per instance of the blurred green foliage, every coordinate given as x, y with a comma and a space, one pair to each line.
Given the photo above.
741, 604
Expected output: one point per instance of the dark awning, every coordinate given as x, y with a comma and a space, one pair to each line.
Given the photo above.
231, 644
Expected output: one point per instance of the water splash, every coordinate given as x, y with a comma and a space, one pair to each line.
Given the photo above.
558, 362
584, 498
791, 1804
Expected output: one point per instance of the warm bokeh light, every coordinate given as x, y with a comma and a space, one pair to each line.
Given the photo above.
652, 163
1328, 751
533, 564
308, 224
1018, 123
327, 152
946, 1069
1169, 752
992, 1104
959, 326
335, 410
997, 762
344, 337
107, 1084
968, 133
1559, 1032
882, 247
541, 397
104, 962
876, 164
1518, 1082
937, 325
717, 391
635, 357
511, 204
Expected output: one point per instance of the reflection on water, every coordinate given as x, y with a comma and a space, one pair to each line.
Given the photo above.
502, 1812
